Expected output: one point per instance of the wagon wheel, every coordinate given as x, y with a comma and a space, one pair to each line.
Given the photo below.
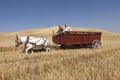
62, 46
96, 44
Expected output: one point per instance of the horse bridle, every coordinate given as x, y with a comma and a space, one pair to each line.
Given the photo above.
18, 41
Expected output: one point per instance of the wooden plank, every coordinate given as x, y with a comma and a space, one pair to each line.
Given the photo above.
76, 37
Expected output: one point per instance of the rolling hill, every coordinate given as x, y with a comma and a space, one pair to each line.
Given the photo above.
7, 39
72, 64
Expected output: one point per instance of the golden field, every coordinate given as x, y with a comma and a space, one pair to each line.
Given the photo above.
72, 64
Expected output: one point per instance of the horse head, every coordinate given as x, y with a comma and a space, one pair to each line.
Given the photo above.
18, 41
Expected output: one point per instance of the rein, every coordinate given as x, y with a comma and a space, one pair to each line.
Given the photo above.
45, 40
27, 41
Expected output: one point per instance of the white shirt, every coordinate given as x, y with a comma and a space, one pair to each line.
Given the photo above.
67, 29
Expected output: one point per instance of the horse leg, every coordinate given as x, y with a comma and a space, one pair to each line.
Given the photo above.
31, 50
29, 47
46, 46
24, 47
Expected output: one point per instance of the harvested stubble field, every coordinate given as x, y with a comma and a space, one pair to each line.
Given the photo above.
72, 64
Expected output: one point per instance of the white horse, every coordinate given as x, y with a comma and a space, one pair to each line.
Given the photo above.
30, 42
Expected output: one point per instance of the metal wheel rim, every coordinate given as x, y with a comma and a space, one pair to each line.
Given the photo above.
96, 44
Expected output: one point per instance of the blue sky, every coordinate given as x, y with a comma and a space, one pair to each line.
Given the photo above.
17, 15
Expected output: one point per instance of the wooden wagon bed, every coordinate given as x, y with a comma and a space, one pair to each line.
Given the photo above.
78, 38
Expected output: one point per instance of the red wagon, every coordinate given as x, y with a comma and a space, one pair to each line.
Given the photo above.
78, 38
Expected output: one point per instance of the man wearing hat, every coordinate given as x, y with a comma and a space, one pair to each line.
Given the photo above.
67, 29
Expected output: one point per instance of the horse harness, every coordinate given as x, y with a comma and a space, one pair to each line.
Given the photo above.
28, 38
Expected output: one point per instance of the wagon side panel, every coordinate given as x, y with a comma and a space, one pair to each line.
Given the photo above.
85, 38
59, 39
98, 36
73, 39
76, 38
94, 36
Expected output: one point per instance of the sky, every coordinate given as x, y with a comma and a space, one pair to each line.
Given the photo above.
17, 15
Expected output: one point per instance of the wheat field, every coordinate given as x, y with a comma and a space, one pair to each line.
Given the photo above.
71, 64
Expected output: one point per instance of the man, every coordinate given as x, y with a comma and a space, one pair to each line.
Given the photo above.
60, 30
67, 29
